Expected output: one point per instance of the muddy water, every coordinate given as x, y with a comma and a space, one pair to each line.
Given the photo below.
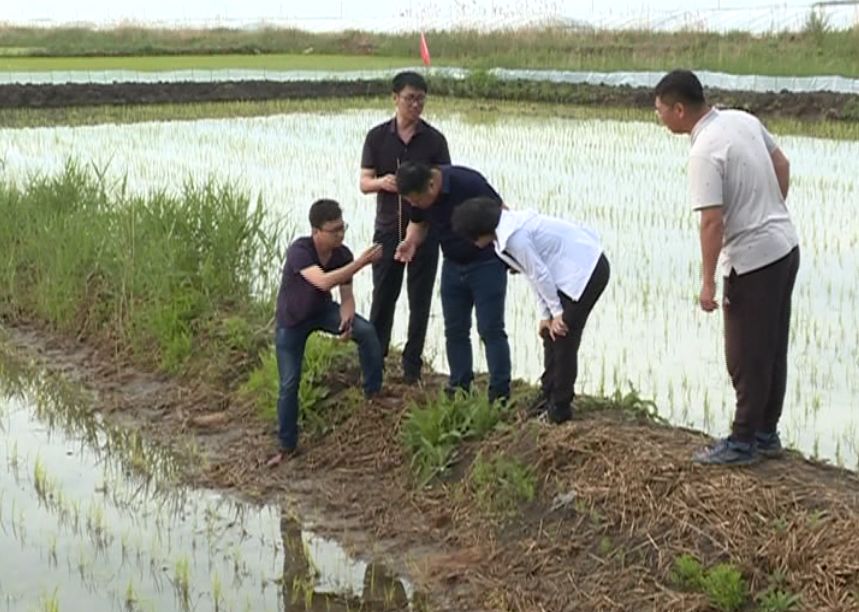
91, 518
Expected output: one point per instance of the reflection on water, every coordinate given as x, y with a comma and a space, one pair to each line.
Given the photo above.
91, 518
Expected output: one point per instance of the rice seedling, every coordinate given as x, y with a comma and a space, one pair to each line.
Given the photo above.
182, 581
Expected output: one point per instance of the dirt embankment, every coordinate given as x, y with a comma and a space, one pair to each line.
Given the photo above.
617, 499
808, 106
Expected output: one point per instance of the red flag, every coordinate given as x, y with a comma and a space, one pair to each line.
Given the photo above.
425, 56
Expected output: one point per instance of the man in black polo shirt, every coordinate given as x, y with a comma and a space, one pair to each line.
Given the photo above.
472, 278
406, 137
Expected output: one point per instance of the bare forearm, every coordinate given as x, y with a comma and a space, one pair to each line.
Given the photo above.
416, 233
370, 184
711, 244
781, 165
339, 276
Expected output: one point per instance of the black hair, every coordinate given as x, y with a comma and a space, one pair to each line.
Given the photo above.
408, 78
680, 86
476, 217
323, 211
413, 177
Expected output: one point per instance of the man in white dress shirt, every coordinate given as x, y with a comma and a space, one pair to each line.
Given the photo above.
738, 181
565, 264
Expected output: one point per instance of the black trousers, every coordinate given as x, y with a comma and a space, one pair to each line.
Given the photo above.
757, 331
387, 283
561, 356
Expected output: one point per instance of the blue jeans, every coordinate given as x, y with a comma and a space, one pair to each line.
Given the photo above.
479, 286
289, 345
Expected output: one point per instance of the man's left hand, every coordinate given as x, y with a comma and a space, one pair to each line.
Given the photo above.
707, 297
347, 316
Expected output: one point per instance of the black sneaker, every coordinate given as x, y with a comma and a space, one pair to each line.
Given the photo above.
411, 376
537, 406
727, 452
558, 414
769, 444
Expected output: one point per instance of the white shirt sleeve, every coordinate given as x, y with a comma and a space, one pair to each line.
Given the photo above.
705, 183
769, 141
521, 248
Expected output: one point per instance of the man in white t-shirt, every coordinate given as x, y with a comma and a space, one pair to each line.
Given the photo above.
565, 264
738, 181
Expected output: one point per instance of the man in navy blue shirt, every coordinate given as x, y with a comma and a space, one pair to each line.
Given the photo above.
314, 265
472, 278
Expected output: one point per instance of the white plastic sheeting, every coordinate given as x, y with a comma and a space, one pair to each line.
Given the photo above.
721, 80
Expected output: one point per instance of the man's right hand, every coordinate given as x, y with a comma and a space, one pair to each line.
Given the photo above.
388, 183
371, 255
405, 251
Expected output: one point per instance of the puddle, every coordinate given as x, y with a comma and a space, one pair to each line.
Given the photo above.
90, 519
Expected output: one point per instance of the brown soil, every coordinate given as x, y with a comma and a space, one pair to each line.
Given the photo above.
808, 106
634, 502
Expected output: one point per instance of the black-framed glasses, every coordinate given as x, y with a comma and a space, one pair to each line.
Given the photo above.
335, 230
414, 98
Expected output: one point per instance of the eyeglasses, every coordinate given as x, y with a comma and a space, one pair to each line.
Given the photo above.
419, 99
335, 230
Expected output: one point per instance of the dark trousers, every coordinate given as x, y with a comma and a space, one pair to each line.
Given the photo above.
561, 356
757, 331
289, 343
479, 287
387, 283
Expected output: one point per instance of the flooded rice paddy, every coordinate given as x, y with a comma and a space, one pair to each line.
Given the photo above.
92, 518
627, 180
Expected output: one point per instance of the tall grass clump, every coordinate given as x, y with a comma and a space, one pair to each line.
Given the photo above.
433, 430
163, 277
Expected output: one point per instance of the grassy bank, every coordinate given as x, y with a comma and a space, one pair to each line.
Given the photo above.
156, 63
177, 283
474, 108
816, 50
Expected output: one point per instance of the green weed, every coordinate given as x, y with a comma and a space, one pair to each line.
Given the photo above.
725, 587
501, 484
433, 431
723, 583
687, 572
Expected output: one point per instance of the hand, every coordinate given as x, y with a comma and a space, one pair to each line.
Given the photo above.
371, 255
543, 328
388, 183
405, 251
347, 316
707, 297
557, 328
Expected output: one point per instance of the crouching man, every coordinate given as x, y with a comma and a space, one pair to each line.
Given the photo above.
314, 265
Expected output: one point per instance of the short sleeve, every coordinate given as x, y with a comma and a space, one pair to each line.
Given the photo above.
769, 141
368, 154
442, 157
344, 256
705, 183
418, 215
299, 257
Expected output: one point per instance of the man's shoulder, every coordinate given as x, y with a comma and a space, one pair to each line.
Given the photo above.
299, 246
380, 130
429, 128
